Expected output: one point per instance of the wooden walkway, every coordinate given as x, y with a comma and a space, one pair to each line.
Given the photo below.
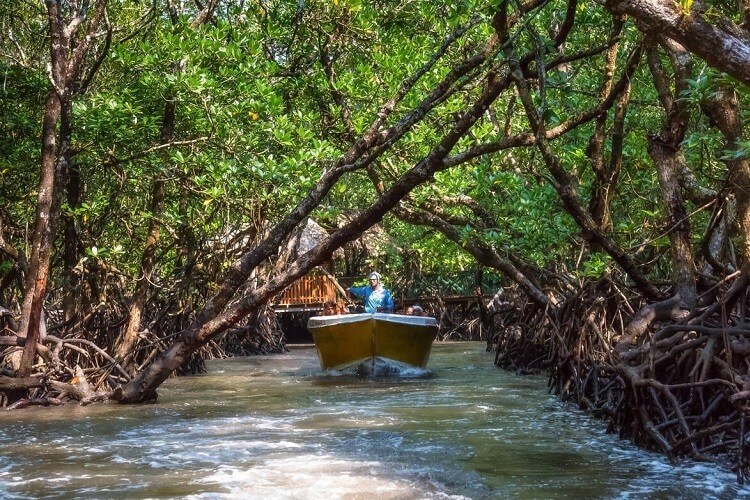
310, 292
306, 294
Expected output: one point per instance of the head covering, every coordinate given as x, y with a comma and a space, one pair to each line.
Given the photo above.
374, 275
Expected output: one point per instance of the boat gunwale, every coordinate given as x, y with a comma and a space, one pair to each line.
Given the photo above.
323, 321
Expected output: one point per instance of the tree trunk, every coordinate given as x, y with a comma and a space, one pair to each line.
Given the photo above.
148, 258
143, 283
71, 254
666, 152
67, 55
724, 112
603, 184
48, 198
693, 31
663, 153
41, 244
567, 192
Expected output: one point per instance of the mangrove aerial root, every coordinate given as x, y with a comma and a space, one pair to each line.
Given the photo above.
74, 368
679, 386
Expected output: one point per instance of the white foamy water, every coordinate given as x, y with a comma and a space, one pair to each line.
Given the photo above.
277, 427
320, 476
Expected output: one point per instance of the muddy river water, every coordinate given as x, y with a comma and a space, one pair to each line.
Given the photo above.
277, 427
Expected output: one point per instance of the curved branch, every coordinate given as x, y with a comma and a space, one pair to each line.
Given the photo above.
722, 46
478, 249
563, 184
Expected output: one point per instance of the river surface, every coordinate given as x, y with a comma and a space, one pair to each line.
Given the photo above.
277, 427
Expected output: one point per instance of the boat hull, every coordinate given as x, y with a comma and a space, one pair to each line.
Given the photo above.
349, 340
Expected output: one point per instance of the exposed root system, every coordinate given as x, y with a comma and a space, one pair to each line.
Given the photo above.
681, 387
77, 369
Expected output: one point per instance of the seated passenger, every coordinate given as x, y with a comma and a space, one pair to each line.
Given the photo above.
329, 308
341, 308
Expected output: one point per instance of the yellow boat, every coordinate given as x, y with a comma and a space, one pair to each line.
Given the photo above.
347, 340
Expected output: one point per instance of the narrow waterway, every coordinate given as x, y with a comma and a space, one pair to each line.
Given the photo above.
276, 427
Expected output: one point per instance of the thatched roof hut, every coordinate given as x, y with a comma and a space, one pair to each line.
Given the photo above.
312, 234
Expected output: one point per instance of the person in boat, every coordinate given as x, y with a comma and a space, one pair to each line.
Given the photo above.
329, 308
341, 308
377, 297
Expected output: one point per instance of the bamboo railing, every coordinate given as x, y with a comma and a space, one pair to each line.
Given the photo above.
309, 290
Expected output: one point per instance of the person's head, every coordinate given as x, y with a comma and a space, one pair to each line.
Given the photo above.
417, 310
374, 279
329, 308
409, 311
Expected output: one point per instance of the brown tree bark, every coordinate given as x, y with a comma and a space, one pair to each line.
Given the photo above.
68, 53
662, 152
666, 152
41, 243
605, 173
143, 283
693, 31
71, 251
724, 112
148, 258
